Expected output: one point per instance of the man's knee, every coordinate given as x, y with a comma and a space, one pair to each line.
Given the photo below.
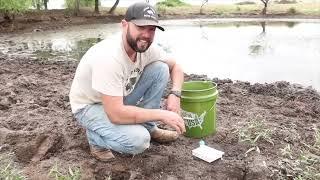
161, 68
139, 142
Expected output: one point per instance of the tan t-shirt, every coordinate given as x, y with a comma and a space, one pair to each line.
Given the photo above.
107, 69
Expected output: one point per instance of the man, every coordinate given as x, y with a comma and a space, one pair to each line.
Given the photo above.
117, 89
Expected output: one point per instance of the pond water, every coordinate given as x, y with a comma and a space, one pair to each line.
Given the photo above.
248, 50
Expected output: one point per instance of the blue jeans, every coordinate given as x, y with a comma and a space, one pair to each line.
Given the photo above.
130, 139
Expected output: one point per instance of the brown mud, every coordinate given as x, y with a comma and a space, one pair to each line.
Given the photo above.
36, 124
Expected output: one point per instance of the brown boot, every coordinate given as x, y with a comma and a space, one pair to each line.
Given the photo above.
101, 154
164, 136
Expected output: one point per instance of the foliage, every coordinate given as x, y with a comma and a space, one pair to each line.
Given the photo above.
253, 132
304, 165
7, 169
171, 3
286, 2
245, 3
72, 174
83, 3
12, 7
39, 4
292, 10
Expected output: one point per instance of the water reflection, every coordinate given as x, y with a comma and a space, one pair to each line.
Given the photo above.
82, 46
263, 51
259, 45
74, 51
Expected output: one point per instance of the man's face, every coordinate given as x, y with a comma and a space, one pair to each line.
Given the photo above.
140, 38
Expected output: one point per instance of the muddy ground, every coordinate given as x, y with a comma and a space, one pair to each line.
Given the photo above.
37, 125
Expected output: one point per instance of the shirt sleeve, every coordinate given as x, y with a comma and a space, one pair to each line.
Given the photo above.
107, 77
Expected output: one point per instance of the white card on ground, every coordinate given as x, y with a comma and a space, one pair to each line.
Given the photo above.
207, 153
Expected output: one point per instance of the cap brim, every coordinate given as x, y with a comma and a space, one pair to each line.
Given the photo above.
145, 22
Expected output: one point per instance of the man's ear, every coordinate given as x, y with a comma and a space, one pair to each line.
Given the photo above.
124, 23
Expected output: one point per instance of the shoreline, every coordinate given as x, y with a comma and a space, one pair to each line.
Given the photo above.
56, 19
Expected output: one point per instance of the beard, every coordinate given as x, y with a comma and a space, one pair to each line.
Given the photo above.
139, 44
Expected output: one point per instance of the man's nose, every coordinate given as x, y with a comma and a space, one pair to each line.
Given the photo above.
148, 33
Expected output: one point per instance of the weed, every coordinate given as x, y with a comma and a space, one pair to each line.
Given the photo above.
317, 138
292, 11
253, 132
7, 169
72, 174
306, 165
309, 166
287, 151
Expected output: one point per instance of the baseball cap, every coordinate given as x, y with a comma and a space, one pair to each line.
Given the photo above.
143, 14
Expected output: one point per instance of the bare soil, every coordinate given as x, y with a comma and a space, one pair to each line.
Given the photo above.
36, 124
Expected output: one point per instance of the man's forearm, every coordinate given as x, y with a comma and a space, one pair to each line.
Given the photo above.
135, 115
177, 77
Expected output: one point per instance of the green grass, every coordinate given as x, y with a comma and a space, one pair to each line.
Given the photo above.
304, 164
8, 171
171, 3
246, 9
73, 173
254, 132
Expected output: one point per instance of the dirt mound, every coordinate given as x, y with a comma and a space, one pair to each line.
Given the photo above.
255, 125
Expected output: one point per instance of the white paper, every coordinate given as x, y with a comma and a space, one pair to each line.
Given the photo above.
207, 153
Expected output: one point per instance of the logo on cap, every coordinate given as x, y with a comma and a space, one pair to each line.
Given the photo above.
148, 12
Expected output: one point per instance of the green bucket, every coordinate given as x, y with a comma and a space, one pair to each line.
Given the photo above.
198, 104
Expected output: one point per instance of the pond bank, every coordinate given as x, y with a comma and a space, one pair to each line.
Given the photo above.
58, 19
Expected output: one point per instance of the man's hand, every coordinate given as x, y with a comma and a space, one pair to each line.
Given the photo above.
173, 103
174, 120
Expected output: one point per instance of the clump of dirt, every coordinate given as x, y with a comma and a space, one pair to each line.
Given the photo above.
36, 124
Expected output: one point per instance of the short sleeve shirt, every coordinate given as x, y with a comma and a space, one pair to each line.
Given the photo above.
107, 69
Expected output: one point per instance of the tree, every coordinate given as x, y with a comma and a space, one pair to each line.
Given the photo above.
265, 3
36, 3
111, 11
96, 6
9, 8
39, 4
203, 3
45, 3
76, 7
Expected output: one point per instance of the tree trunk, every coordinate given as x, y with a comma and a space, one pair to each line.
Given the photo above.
203, 3
96, 6
76, 7
45, 3
264, 10
111, 11
263, 25
265, 4
6, 16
